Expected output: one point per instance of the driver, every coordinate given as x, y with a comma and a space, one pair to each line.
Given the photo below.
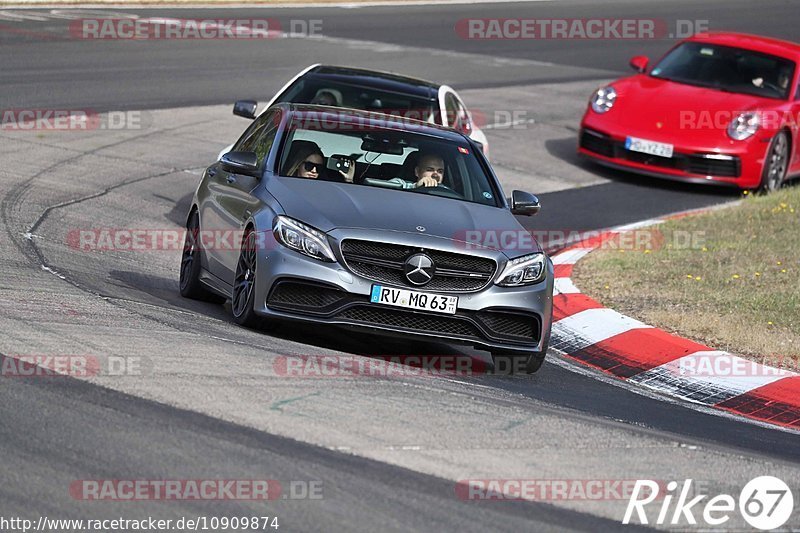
429, 172
329, 97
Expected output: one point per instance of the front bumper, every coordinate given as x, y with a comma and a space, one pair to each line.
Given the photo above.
292, 286
737, 164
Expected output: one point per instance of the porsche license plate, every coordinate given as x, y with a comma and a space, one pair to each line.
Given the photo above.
424, 301
648, 147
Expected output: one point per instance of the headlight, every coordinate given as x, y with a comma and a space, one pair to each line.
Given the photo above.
302, 238
524, 270
743, 126
603, 99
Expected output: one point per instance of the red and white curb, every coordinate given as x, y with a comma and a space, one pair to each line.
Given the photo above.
640, 354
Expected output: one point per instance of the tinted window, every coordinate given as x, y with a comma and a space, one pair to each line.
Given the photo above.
260, 136
390, 159
728, 69
451, 106
265, 141
312, 91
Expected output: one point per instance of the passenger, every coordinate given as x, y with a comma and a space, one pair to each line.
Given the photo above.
305, 160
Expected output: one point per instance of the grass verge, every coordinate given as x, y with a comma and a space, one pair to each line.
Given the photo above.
729, 279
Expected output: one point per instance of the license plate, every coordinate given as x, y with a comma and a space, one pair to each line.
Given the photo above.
648, 147
424, 301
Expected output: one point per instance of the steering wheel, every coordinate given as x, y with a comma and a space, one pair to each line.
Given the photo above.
770, 85
444, 190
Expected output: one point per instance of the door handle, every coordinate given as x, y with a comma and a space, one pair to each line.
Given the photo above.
230, 179
212, 172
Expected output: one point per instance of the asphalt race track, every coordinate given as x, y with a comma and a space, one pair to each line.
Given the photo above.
205, 400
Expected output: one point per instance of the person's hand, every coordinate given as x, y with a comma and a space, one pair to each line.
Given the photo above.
427, 181
351, 172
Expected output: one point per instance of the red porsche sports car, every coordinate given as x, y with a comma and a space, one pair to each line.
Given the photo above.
717, 108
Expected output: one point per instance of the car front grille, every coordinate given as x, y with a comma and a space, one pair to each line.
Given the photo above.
299, 295
483, 325
647, 159
702, 164
442, 325
709, 166
384, 262
510, 324
597, 143
328, 303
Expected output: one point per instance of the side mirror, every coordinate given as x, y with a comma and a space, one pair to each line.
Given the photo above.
524, 203
639, 63
245, 163
245, 108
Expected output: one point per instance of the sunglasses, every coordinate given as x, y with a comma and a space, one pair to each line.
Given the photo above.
309, 166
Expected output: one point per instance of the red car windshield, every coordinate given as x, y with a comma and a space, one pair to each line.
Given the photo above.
727, 69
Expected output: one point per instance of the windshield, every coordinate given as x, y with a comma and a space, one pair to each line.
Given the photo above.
403, 161
727, 69
322, 92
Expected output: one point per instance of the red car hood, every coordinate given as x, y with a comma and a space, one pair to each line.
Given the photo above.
677, 113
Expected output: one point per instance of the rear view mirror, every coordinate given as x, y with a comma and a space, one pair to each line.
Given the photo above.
381, 146
524, 203
245, 163
245, 108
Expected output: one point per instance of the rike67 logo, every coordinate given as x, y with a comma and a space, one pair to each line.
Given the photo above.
765, 503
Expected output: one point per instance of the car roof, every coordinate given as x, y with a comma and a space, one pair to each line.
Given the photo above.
370, 119
373, 78
767, 45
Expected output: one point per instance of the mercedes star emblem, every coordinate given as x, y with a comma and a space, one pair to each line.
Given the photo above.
419, 269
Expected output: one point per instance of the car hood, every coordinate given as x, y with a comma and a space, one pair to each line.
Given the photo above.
328, 206
656, 104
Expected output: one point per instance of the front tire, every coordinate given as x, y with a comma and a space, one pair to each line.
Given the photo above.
190, 284
776, 164
521, 363
244, 283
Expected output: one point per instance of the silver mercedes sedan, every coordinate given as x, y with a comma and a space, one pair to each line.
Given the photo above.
370, 222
